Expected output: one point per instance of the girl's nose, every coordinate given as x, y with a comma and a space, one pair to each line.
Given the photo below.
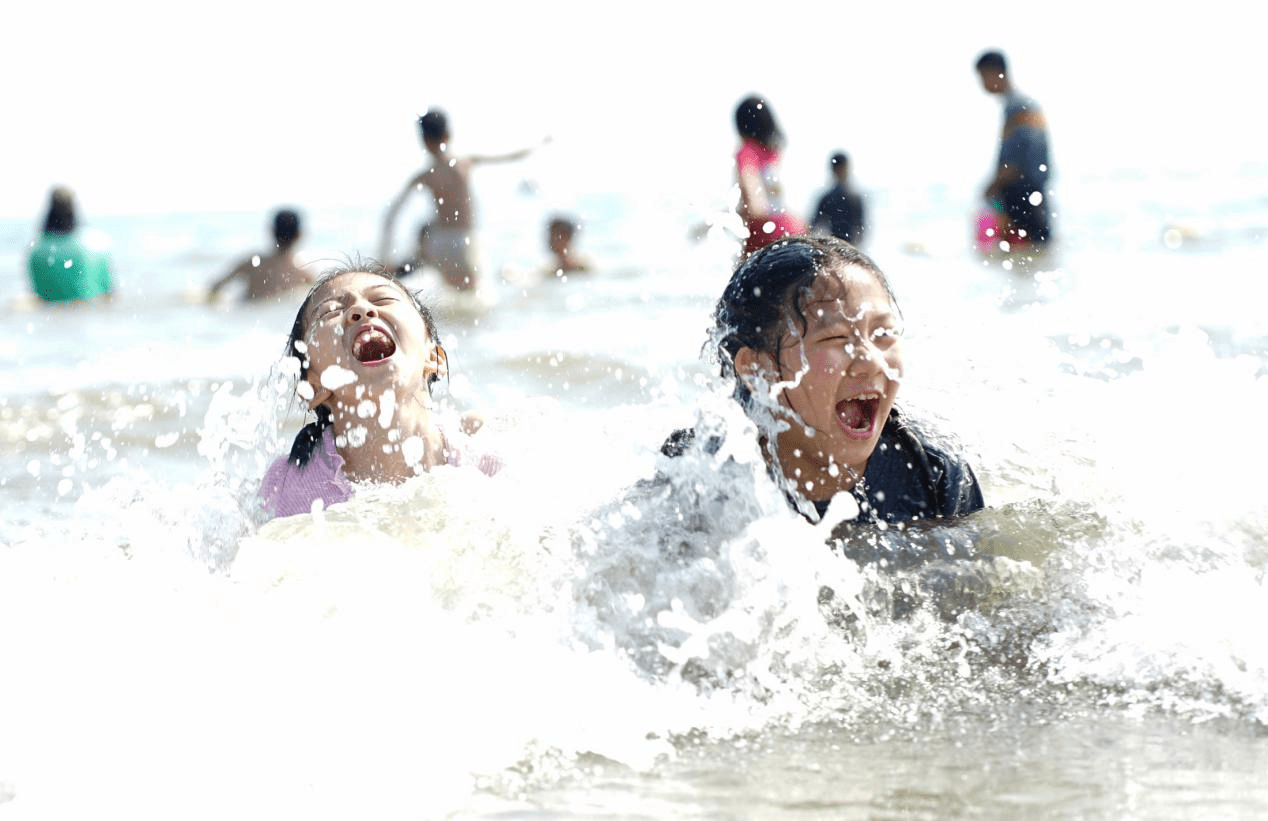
864, 357
363, 311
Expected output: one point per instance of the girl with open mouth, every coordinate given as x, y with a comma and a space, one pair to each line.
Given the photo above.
369, 354
811, 333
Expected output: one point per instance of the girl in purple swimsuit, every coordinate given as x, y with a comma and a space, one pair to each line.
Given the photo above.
369, 354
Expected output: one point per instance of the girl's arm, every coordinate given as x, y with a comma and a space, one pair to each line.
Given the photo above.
753, 200
389, 219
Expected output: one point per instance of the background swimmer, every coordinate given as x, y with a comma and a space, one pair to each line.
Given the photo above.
274, 273
65, 264
561, 232
447, 244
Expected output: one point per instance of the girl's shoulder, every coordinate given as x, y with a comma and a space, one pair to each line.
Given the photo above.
914, 473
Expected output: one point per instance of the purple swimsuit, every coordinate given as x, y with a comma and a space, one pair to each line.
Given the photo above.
288, 490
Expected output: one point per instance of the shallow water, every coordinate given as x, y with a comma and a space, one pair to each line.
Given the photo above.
552, 642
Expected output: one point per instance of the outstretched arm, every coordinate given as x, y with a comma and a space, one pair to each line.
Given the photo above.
389, 219
480, 159
237, 271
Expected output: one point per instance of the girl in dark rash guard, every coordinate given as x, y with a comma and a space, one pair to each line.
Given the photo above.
811, 333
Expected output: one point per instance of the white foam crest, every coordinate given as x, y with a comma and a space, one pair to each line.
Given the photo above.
1177, 637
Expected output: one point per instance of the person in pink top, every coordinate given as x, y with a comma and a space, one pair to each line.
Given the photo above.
757, 169
369, 354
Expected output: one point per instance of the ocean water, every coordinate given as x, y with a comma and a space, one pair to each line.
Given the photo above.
550, 643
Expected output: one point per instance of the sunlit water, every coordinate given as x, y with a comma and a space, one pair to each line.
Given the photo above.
552, 642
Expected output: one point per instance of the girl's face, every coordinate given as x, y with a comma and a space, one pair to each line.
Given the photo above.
844, 369
365, 337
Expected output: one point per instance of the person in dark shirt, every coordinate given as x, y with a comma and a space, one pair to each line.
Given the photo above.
840, 209
811, 333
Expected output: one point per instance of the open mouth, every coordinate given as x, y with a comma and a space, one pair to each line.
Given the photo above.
372, 345
858, 414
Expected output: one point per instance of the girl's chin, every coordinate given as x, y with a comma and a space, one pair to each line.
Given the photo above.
855, 452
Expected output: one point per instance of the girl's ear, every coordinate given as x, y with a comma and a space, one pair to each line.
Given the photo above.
312, 390
437, 365
751, 364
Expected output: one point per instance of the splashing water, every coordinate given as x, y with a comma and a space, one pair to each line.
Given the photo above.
601, 630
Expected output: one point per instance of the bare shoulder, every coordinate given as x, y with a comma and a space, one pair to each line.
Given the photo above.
244, 265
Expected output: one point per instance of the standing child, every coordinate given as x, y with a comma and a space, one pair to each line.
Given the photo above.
274, 273
761, 203
447, 244
809, 330
1018, 190
369, 354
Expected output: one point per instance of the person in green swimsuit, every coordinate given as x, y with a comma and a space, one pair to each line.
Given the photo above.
63, 266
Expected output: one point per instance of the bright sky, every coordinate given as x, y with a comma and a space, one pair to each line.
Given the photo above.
150, 107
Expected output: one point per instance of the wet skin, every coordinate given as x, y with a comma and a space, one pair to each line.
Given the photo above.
370, 361
839, 378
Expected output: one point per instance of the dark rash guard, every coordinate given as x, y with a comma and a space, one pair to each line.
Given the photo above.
907, 478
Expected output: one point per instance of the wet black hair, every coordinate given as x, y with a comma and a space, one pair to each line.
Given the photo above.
993, 61
61, 211
434, 126
308, 437
754, 120
768, 287
285, 227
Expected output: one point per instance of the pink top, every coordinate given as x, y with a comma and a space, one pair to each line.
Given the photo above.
763, 229
764, 160
287, 490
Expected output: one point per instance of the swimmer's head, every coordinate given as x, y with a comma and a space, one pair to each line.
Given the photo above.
767, 296
434, 128
559, 234
993, 70
61, 210
839, 165
754, 120
286, 228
